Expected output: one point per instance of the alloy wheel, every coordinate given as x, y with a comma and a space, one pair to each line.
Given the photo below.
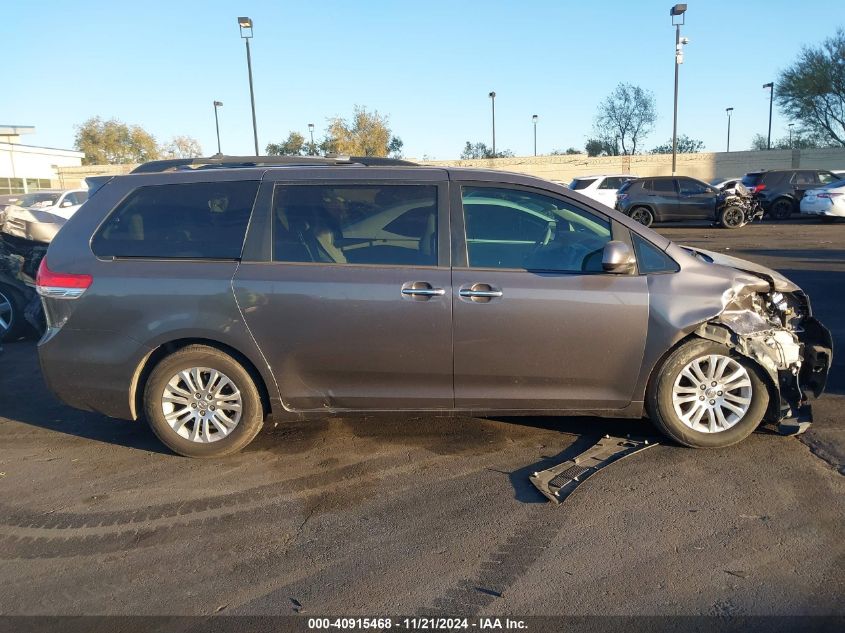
642, 215
202, 404
712, 393
6, 313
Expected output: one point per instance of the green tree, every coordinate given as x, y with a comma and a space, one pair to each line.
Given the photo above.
812, 90
599, 147
567, 152
627, 114
799, 141
685, 145
181, 147
113, 142
480, 150
293, 145
366, 134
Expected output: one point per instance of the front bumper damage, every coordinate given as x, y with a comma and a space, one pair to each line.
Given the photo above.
776, 329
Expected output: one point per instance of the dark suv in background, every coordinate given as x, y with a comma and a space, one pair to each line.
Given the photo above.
206, 294
667, 198
780, 190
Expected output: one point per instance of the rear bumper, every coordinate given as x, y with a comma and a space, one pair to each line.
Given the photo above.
92, 371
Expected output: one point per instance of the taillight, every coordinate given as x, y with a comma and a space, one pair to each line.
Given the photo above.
621, 196
758, 188
60, 285
828, 195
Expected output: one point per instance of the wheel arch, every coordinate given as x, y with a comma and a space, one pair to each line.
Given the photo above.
149, 362
646, 205
773, 410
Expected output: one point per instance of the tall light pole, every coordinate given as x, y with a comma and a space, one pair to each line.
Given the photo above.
246, 34
492, 96
790, 135
771, 87
534, 120
677, 15
311, 130
217, 104
728, 111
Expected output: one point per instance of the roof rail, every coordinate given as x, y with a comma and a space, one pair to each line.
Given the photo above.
221, 161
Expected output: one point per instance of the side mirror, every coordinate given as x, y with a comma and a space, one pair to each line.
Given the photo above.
618, 258
65, 203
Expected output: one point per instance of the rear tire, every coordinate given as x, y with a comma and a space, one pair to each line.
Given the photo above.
643, 215
200, 402
673, 400
13, 325
781, 209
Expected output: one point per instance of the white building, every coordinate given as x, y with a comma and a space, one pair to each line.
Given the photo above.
25, 168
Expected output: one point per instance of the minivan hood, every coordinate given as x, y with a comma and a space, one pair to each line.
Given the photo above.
780, 283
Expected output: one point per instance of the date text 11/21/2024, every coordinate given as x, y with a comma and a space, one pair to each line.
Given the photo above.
416, 624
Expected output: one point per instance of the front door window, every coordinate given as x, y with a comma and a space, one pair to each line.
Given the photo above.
522, 230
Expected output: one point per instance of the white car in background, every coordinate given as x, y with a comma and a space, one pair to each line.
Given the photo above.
827, 202
38, 216
601, 187
726, 184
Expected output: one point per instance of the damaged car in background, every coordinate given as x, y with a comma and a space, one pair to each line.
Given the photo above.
372, 285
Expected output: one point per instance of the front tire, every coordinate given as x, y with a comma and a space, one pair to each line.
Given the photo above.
201, 402
643, 215
684, 403
781, 209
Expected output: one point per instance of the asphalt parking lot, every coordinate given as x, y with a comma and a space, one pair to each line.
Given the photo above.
424, 516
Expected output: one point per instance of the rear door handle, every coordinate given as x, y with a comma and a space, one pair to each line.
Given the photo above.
421, 290
480, 293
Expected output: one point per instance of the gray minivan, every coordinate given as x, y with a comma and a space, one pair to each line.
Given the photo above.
207, 294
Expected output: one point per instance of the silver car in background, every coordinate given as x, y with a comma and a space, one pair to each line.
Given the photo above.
38, 216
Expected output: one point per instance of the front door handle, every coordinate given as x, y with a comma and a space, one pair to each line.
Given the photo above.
480, 293
421, 290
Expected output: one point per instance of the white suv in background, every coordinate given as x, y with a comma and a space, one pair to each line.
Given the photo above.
601, 188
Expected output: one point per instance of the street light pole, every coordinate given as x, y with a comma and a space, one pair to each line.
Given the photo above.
534, 119
245, 25
677, 11
771, 87
729, 110
790, 135
492, 96
217, 104
311, 130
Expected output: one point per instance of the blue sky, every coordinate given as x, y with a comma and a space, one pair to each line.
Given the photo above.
428, 65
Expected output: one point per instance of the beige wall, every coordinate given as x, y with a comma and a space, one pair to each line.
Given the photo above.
705, 166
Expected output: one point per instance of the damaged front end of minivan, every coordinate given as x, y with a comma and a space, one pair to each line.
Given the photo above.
769, 320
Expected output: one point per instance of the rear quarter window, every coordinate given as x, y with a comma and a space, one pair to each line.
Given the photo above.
205, 220
581, 183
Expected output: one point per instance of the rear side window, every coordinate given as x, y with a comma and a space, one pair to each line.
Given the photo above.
384, 224
203, 220
651, 259
752, 180
661, 186
581, 183
612, 182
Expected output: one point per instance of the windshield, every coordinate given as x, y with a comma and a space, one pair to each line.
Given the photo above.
38, 199
835, 184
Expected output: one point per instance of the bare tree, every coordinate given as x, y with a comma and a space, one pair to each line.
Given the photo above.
812, 90
626, 117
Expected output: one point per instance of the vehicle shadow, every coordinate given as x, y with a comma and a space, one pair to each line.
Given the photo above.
26, 399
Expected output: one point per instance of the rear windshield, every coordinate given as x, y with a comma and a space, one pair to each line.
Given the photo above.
752, 180
625, 186
581, 183
203, 220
